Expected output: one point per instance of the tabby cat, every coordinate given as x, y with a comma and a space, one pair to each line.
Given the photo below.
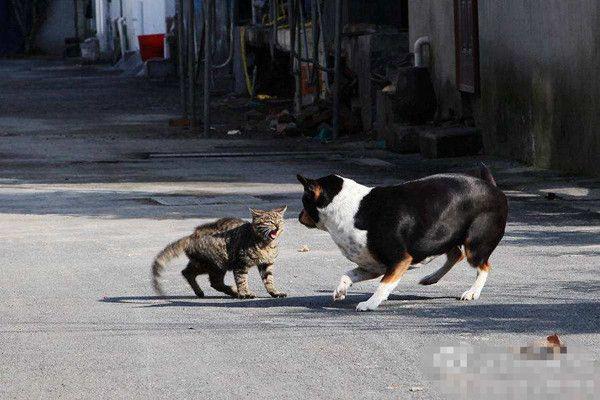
228, 244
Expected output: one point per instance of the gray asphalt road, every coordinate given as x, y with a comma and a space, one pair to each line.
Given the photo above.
83, 211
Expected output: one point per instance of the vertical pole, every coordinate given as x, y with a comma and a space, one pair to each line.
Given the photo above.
298, 64
315, 73
291, 22
337, 68
208, 37
191, 60
181, 58
273, 14
76, 18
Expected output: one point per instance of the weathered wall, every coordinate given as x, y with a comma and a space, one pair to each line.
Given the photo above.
540, 96
435, 18
539, 61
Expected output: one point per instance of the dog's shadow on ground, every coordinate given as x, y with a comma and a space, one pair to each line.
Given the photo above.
317, 302
443, 313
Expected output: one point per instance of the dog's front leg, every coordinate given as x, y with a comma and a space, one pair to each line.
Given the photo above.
352, 276
388, 283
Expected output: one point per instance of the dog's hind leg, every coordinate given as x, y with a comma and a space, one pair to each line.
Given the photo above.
388, 283
482, 238
452, 257
475, 291
353, 276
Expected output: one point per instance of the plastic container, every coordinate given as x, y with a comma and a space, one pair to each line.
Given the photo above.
152, 46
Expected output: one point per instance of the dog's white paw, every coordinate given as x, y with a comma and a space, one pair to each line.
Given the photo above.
367, 306
471, 294
340, 292
429, 279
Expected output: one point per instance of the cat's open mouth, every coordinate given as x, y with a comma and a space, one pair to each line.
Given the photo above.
273, 234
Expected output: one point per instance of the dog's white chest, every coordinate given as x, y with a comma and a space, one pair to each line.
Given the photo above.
338, 220
354, 247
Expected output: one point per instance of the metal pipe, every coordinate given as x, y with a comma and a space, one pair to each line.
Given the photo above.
337, 68
191, 48
418, 50
181, 59
121, 32
208, 36
230, 57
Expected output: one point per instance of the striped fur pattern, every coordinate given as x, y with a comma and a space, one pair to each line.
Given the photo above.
228, 244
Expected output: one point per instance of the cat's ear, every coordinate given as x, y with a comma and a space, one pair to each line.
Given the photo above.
255, 212
280, 210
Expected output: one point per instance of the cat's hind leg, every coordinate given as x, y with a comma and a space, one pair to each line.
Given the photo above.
217, 282
190, 273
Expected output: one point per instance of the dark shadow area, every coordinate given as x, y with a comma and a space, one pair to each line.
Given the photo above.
310, 302
441, 313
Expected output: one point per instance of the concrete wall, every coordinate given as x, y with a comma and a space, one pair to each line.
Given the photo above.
59, 24
540, 96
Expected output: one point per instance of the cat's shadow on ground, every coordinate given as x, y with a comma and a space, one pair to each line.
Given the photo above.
315, 302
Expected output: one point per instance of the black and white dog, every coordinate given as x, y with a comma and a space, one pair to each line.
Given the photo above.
384, 230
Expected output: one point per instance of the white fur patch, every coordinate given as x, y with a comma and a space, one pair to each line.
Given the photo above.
338, 219
475, 291
381, 294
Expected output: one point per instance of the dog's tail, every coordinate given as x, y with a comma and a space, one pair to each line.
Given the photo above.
170, 252
486, 174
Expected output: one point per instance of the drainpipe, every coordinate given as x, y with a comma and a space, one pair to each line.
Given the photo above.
418, 50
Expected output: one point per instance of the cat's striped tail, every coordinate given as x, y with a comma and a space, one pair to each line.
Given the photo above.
170, 252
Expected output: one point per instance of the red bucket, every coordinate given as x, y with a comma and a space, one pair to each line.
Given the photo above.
152, 46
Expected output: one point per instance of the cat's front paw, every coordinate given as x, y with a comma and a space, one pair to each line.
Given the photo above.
246, 295
278, 294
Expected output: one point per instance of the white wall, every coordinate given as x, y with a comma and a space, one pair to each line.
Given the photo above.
143, 17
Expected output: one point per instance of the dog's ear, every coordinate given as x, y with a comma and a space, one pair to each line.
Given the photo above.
311, 185
304, 181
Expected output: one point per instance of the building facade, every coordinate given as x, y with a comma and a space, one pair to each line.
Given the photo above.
536, 96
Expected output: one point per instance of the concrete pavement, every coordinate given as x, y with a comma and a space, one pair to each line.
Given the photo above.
83, 210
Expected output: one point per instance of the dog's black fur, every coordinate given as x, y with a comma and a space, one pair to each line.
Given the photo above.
422, 218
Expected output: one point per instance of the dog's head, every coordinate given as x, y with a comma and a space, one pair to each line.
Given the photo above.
318, 193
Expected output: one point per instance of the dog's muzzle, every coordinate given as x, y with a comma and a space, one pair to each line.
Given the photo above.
306, 220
